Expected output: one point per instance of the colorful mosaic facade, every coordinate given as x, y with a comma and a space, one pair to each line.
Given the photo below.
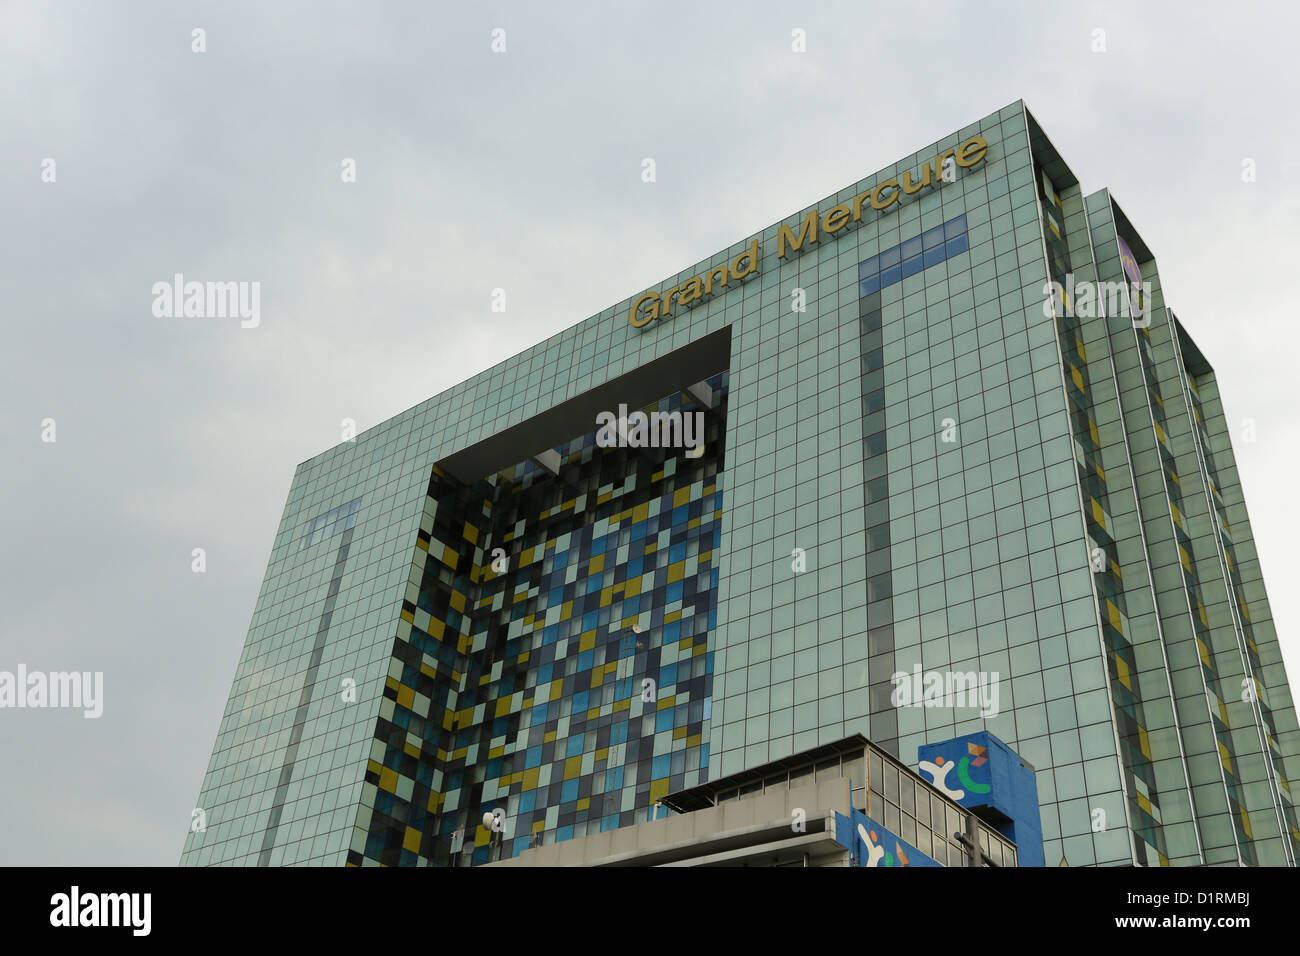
553, 664
1141, 787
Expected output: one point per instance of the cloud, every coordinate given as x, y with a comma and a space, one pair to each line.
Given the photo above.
478, 172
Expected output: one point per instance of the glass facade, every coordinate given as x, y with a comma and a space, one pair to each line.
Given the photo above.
931, 463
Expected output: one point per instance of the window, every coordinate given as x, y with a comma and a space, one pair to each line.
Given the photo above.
912, 256
828, 769
335, 521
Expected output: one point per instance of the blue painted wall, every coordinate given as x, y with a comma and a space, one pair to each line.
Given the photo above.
979, 770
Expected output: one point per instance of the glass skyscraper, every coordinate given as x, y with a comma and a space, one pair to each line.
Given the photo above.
940, 427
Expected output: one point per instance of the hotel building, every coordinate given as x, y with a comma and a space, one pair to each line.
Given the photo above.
945, 426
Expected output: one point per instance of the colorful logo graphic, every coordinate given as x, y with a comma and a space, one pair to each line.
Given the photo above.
939, 768
1129, 262
871, 844
876, 852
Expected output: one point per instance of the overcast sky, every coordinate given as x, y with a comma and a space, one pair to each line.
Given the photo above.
477, 171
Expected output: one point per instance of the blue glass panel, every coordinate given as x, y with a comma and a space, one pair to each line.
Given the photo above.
890, 257
932, 238
954, 227
912, 266
869, 268
868, 286
667, 676
954, 247
891, 275
912, 247
935, 256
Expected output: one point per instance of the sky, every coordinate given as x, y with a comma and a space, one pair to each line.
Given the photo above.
477, 170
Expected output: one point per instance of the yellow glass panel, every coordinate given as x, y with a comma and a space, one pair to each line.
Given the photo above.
1121, 668
412, 840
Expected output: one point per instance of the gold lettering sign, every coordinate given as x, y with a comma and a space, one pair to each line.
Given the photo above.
813, 226
881, 196
876, 202
784, 235
655, 305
